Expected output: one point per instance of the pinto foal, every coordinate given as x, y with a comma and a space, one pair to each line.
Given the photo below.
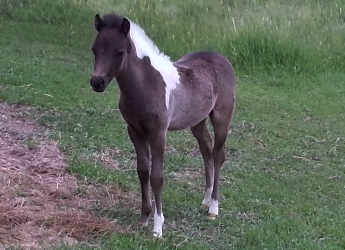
157, 96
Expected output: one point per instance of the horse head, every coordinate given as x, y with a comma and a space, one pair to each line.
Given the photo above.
110, 48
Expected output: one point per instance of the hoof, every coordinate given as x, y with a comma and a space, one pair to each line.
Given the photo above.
212, 216
157, 234
204, 205
143, 221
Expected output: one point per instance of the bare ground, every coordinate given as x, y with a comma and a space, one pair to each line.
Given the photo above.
41, 205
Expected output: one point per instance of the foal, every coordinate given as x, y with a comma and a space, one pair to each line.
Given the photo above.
158, 96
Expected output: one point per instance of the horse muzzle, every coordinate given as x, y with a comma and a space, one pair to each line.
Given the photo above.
98, 83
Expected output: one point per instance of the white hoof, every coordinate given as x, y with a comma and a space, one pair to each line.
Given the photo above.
158, 234
213, 208
212, 216
158, 221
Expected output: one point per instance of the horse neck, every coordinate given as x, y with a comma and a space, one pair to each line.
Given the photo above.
133, 77
130, 83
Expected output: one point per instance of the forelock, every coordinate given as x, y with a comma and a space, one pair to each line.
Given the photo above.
113, 20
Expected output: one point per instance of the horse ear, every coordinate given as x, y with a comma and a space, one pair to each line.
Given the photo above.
99, 23
125, 26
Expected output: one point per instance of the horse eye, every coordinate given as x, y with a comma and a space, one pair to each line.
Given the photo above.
121, 52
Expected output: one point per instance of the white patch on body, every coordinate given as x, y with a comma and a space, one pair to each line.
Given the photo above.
207, 197
158, 221
145, 47
213, 207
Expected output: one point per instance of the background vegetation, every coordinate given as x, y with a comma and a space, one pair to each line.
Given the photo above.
282, 185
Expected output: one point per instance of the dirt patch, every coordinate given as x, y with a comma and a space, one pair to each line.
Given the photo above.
40, 203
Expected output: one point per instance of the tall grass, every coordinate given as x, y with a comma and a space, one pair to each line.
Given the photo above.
45, 11
258, 36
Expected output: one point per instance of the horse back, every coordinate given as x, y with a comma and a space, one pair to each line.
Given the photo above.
207, 79
211, 66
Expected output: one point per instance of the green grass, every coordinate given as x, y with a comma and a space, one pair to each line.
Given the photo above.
282, 185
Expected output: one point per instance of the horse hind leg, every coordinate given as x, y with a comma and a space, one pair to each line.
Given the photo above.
220, 120
205, 142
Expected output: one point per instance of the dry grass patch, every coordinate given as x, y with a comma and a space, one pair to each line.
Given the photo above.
41, 205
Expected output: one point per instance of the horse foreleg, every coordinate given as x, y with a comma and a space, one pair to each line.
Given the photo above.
157, 143
142, 149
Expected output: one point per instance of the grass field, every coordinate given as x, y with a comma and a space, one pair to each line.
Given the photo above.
282, 185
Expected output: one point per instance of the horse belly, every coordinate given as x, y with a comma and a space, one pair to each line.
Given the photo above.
187, 112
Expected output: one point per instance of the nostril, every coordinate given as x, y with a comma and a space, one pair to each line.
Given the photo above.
97, 81
101, 82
